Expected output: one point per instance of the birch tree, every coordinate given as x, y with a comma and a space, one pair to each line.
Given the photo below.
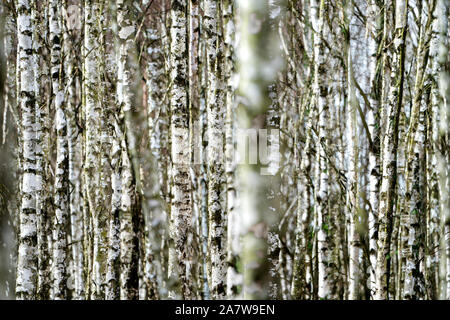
27, 260
92, 111
74, 153
415, 185
60, 255
373, 122
389, 150
43, 133
441, 107
352, 179
181, 209
323, 215
216, 117
233, 233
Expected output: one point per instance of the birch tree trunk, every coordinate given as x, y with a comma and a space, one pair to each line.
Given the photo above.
352, 178
216, 174
434, 259
112, 287
325, 272
27, 260
105, 145
270, 154
272, 146
373, 122
92, 113
112, 290
130, 202
44, 196
415, 171
389, 151
234, 276
441, 110
157, 123
301, 282
181, 207
60, 256
202, 124
74, 157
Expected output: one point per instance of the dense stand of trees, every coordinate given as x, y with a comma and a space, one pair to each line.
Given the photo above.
221, 149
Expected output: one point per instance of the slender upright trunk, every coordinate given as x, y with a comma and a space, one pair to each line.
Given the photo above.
74, 155
130, 202
105, 145
270, 155
325, 272
374, 18
414, 211
97, 249
389, 151
112, 290
258, 48
301, 279
60, 256
433, 239
233, 275
272, 146
216, 174
112, 287
203, 81
181, 206
27, 260
44, 196
352, 177
441, 110
158, 125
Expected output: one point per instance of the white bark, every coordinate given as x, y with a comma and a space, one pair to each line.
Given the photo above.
60, 256
325, 273
181, 206
414, 211
75, 159
216, 176
389, 151
44, 193
92, 150
27, 260
373, 122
